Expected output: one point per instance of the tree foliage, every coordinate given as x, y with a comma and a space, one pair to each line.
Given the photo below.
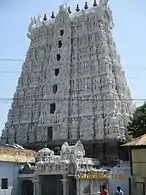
137, 124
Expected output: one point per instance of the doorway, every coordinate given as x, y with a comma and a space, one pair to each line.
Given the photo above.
72, 185
26, 187
51, 184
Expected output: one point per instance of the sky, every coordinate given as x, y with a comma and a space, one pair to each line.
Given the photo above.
129, 33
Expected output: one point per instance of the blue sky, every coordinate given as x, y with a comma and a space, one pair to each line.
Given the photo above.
129, 33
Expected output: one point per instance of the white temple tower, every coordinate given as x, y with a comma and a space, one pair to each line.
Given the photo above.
72, 85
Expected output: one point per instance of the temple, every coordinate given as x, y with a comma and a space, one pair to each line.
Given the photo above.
72, 86
69, 173
26, 172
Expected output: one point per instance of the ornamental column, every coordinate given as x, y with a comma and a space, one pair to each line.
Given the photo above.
65, 185
19, 186
78, 185
36, 186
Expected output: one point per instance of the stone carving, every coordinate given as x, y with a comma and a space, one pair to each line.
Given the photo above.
61, 8
27, 167
39, 20
45, 155
79, 150
65, 151
98, 86
71, 169
103, 2
70, 162
72, 153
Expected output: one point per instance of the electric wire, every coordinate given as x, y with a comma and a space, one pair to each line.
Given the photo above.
11, 59
7, 100
23, 99
9, 72
22, 60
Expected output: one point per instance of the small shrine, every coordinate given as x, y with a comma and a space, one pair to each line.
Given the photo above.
69, 173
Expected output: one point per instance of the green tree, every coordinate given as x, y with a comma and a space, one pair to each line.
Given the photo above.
137, 124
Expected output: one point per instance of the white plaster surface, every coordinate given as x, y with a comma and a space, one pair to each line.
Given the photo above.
92, 100
9, 171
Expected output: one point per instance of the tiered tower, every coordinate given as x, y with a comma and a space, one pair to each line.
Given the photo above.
72, 85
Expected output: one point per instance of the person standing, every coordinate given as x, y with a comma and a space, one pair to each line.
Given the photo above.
119, 191
104, 191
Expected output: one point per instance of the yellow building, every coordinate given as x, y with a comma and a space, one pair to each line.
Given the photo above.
137, 151
13, 155
11, 162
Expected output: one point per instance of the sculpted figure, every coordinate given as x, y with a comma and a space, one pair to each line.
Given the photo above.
61, 8
79, 150
65, 151
38, 20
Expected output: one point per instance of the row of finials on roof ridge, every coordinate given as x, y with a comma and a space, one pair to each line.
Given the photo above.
69, 10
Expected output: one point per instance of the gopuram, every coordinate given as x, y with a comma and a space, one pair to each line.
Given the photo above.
69, 173
72, 86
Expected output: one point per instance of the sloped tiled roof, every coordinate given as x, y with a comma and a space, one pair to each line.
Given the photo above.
139, 141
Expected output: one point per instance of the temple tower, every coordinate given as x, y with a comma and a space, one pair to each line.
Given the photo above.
72, 85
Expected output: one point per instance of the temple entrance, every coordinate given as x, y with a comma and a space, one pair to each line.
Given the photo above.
26, 187
51, 184
72, 185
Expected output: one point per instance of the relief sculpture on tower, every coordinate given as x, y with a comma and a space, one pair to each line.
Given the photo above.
72, 86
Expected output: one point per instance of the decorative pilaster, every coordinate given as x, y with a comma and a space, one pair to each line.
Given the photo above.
78, 189
19, 184
65, 185
36, 186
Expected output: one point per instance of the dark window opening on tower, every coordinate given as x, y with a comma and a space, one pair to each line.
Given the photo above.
59, 44
52, 108
58, 57
116, 88
15, 140
61, 32
54, 89
49, 133
7, 140
56, 72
